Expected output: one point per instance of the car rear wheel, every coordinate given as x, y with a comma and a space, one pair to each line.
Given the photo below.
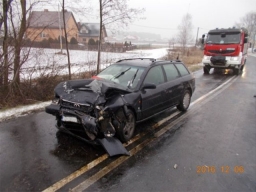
126, 132
185, 101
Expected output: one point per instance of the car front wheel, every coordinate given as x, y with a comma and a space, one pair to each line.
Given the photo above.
126, 132
185, 101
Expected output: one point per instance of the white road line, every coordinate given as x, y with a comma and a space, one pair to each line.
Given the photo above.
212, 91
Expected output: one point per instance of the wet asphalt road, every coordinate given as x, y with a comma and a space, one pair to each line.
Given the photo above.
220, 134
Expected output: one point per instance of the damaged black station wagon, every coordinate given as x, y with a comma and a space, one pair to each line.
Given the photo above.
107, 107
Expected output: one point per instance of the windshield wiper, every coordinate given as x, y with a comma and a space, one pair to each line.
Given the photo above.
120, 74
134, 76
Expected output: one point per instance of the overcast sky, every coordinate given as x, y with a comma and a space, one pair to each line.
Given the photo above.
163, 16
206, 14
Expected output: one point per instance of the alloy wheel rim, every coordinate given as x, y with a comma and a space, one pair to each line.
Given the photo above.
186, 100
129, 127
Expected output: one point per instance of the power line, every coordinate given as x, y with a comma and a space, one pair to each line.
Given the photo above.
164, 27
153, 27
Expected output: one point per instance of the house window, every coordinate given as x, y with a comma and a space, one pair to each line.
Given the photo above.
42, 35
84, 30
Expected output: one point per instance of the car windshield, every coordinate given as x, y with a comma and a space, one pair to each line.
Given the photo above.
223, 38
125, 75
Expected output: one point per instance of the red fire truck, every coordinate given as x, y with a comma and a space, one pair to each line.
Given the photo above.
225, 49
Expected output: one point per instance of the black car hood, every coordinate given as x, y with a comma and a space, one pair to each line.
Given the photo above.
89, 91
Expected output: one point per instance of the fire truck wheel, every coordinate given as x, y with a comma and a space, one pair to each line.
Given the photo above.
236, 71
206, 70
242, 67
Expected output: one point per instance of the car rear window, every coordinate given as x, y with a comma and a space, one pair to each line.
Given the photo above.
171, 72
183, 70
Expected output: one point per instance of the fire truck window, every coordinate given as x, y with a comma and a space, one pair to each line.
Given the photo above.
228, 38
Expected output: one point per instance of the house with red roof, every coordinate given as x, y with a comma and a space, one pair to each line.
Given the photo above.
49, 24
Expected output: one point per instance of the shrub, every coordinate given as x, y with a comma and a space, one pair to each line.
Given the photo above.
91, 42
51, 40
73, 40
63, 39
45, 43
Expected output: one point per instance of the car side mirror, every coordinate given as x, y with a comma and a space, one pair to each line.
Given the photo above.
202, 40
149, 86
245, 40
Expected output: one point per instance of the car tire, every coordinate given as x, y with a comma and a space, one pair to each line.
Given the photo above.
206, 70
185, 101
126, 132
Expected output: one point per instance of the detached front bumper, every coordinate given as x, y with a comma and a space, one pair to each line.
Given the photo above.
112, 145
53, 109
67, 116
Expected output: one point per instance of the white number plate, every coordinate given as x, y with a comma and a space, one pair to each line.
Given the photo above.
69, 119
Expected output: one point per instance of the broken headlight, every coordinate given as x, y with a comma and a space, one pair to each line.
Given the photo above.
56, 101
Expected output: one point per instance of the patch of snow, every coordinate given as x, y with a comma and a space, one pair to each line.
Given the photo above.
20, 111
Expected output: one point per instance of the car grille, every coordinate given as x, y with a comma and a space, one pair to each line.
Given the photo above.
87, 108
221, 52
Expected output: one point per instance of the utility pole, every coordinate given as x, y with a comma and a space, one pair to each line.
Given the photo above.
197, 35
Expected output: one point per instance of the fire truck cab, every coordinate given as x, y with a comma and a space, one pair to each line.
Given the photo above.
225, 49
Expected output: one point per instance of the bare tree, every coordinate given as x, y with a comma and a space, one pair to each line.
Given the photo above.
66, 38
249, 22
15, 24
100, 39
114, 12
3, 19
171, 42
77, 8
185, 35
5, 4
18, 37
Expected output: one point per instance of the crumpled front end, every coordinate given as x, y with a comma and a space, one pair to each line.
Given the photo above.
95, 110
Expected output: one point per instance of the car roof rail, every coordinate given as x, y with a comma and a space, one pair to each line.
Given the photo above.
151, 59
171, 61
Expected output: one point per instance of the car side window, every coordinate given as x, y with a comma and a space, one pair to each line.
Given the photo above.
155, 75
183, 70
171, 72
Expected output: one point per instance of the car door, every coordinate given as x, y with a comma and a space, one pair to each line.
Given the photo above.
152, 99
173, 85
185, 76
